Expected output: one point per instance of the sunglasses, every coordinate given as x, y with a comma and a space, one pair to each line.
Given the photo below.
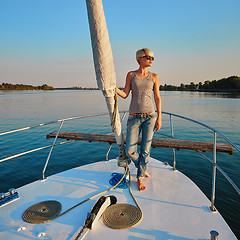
148, 57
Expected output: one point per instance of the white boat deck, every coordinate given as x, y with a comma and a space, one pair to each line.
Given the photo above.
173, 206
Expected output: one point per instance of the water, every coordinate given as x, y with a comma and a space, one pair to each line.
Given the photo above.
29, 108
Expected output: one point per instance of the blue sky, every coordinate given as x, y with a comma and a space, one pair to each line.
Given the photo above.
48, 41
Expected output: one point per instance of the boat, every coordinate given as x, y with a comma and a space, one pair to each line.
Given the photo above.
57, 206
100, 200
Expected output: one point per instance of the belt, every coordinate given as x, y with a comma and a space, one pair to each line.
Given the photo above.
140, 114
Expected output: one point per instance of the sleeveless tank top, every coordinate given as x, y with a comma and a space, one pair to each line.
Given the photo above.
142, 90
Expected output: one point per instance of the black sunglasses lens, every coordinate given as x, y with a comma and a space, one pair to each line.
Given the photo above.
150, 58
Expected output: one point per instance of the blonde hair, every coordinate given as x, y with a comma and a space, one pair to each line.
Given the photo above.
143, 52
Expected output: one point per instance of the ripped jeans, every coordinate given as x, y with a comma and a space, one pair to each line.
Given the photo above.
135, 125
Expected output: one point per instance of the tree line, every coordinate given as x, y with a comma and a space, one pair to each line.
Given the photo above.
9, 86
231, 84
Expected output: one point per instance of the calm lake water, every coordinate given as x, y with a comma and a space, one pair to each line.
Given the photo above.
29, 108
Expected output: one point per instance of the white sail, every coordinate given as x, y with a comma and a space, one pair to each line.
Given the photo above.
103, 60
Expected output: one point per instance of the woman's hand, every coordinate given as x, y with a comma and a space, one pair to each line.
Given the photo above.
158, 124
126, 90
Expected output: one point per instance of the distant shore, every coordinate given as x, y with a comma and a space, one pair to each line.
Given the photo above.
76, 88
169, 90
23, 87
222, 91
224, 85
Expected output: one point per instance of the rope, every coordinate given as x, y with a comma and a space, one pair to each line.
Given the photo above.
114, 116
123, 160
116, 177
126, 169
42, 212
123, 216
86, 222
130, 190
81, 232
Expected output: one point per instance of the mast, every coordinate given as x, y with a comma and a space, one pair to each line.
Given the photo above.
104, 66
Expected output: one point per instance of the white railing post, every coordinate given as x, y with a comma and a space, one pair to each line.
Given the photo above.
50, 152
173, 149
214, 172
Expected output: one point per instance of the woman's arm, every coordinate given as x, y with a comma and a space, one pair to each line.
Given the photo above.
157, 99
126, 90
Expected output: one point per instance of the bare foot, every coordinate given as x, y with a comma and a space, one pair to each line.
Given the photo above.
141, 186
147, 174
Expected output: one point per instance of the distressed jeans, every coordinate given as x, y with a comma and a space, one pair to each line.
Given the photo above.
135, 125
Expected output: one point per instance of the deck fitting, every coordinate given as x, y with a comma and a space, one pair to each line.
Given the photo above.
214, 235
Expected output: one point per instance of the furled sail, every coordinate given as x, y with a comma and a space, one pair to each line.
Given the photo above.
103, 63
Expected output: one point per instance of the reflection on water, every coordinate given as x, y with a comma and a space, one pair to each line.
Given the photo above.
219, 94
202, 94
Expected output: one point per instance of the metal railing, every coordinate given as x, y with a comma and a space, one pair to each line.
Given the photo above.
171, 115
214, 161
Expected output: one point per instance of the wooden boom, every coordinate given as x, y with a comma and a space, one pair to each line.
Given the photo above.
156, 142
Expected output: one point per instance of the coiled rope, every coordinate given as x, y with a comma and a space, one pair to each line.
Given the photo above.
123, 215
68, 210
116, 178
130, 191
139, 214
126, 170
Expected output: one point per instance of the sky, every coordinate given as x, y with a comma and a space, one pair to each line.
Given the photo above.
48, 41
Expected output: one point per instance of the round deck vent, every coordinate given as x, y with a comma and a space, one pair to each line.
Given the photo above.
121, 216
42, 212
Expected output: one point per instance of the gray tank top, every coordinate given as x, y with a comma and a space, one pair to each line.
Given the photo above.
142, 90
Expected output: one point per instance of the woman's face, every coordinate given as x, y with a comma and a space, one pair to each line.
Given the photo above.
146, 61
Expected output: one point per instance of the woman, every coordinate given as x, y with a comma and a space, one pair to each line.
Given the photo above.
142, 115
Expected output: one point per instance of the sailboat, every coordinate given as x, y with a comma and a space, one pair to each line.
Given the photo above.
100, 200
